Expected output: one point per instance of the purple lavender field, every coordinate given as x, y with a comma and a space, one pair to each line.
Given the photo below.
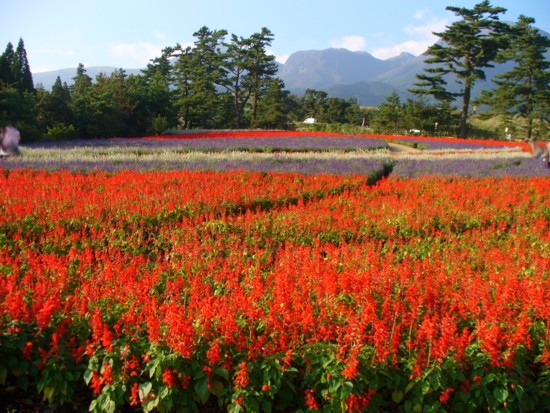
306, 155
306, 166
474, 167
271, 144
440, 145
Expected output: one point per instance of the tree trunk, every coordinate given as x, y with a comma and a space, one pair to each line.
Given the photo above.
529, 128
237, 109
465, 109
530, 106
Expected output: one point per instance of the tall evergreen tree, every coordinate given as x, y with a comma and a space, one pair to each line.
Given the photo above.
21, 70
273, 110
524, 89
262, 67
208, 74
6, 65
468, 47
152, 92
81, 102
237, 81
249, 70
54, 107
183, 74
389, 115
314, 104
18, 95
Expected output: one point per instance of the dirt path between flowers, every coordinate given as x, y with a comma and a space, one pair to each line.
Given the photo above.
397, 149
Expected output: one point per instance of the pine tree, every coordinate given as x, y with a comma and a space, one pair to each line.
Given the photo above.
263, 67
183, 73
21, 70
433, 83
274, 108
524, 89
6, 63
53, 107
468, 47
17, 92
81, 102
208, 73
237, 79
390, 115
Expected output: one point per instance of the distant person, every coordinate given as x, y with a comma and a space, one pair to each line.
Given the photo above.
9, 141
540, 149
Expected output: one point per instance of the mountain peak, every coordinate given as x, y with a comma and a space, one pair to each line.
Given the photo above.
402, 56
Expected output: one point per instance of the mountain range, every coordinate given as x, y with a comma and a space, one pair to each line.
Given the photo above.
339, 72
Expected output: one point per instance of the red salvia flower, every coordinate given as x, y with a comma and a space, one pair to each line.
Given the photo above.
310, 399
168, 378
241, 376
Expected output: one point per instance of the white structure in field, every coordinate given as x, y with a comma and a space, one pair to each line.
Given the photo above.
310, 121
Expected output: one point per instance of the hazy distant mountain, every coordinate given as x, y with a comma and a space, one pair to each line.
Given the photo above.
342, 73
318, 69
339, 72
47, 79
367, 93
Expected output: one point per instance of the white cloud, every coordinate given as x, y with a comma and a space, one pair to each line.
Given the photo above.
425, 30
422, 36
410, 46
353, 43
136, 53
420, 14
281, 58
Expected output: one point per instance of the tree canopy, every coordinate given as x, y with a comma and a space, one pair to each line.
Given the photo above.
524, 89
465, 49
230, 81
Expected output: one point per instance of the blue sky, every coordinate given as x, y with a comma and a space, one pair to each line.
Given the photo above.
128, 33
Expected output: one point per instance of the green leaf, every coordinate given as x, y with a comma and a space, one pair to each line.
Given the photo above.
217, 388
107, 404
266, 406
168, 404
164, 392
153, 365
500, 394
397, 396
489, 378
202, 390
519, 391
3, 375
220, 371
425, 386
410, 386
145, 389
48, 393
88, 374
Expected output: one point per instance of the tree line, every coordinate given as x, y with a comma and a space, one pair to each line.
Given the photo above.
224, 82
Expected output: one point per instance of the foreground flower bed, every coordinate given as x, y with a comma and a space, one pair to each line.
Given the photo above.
274, 292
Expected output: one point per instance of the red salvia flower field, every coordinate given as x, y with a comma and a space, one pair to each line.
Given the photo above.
102, 277
182, 291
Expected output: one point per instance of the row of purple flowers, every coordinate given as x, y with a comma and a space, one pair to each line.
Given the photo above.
228, 144
402, 167
405, 167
